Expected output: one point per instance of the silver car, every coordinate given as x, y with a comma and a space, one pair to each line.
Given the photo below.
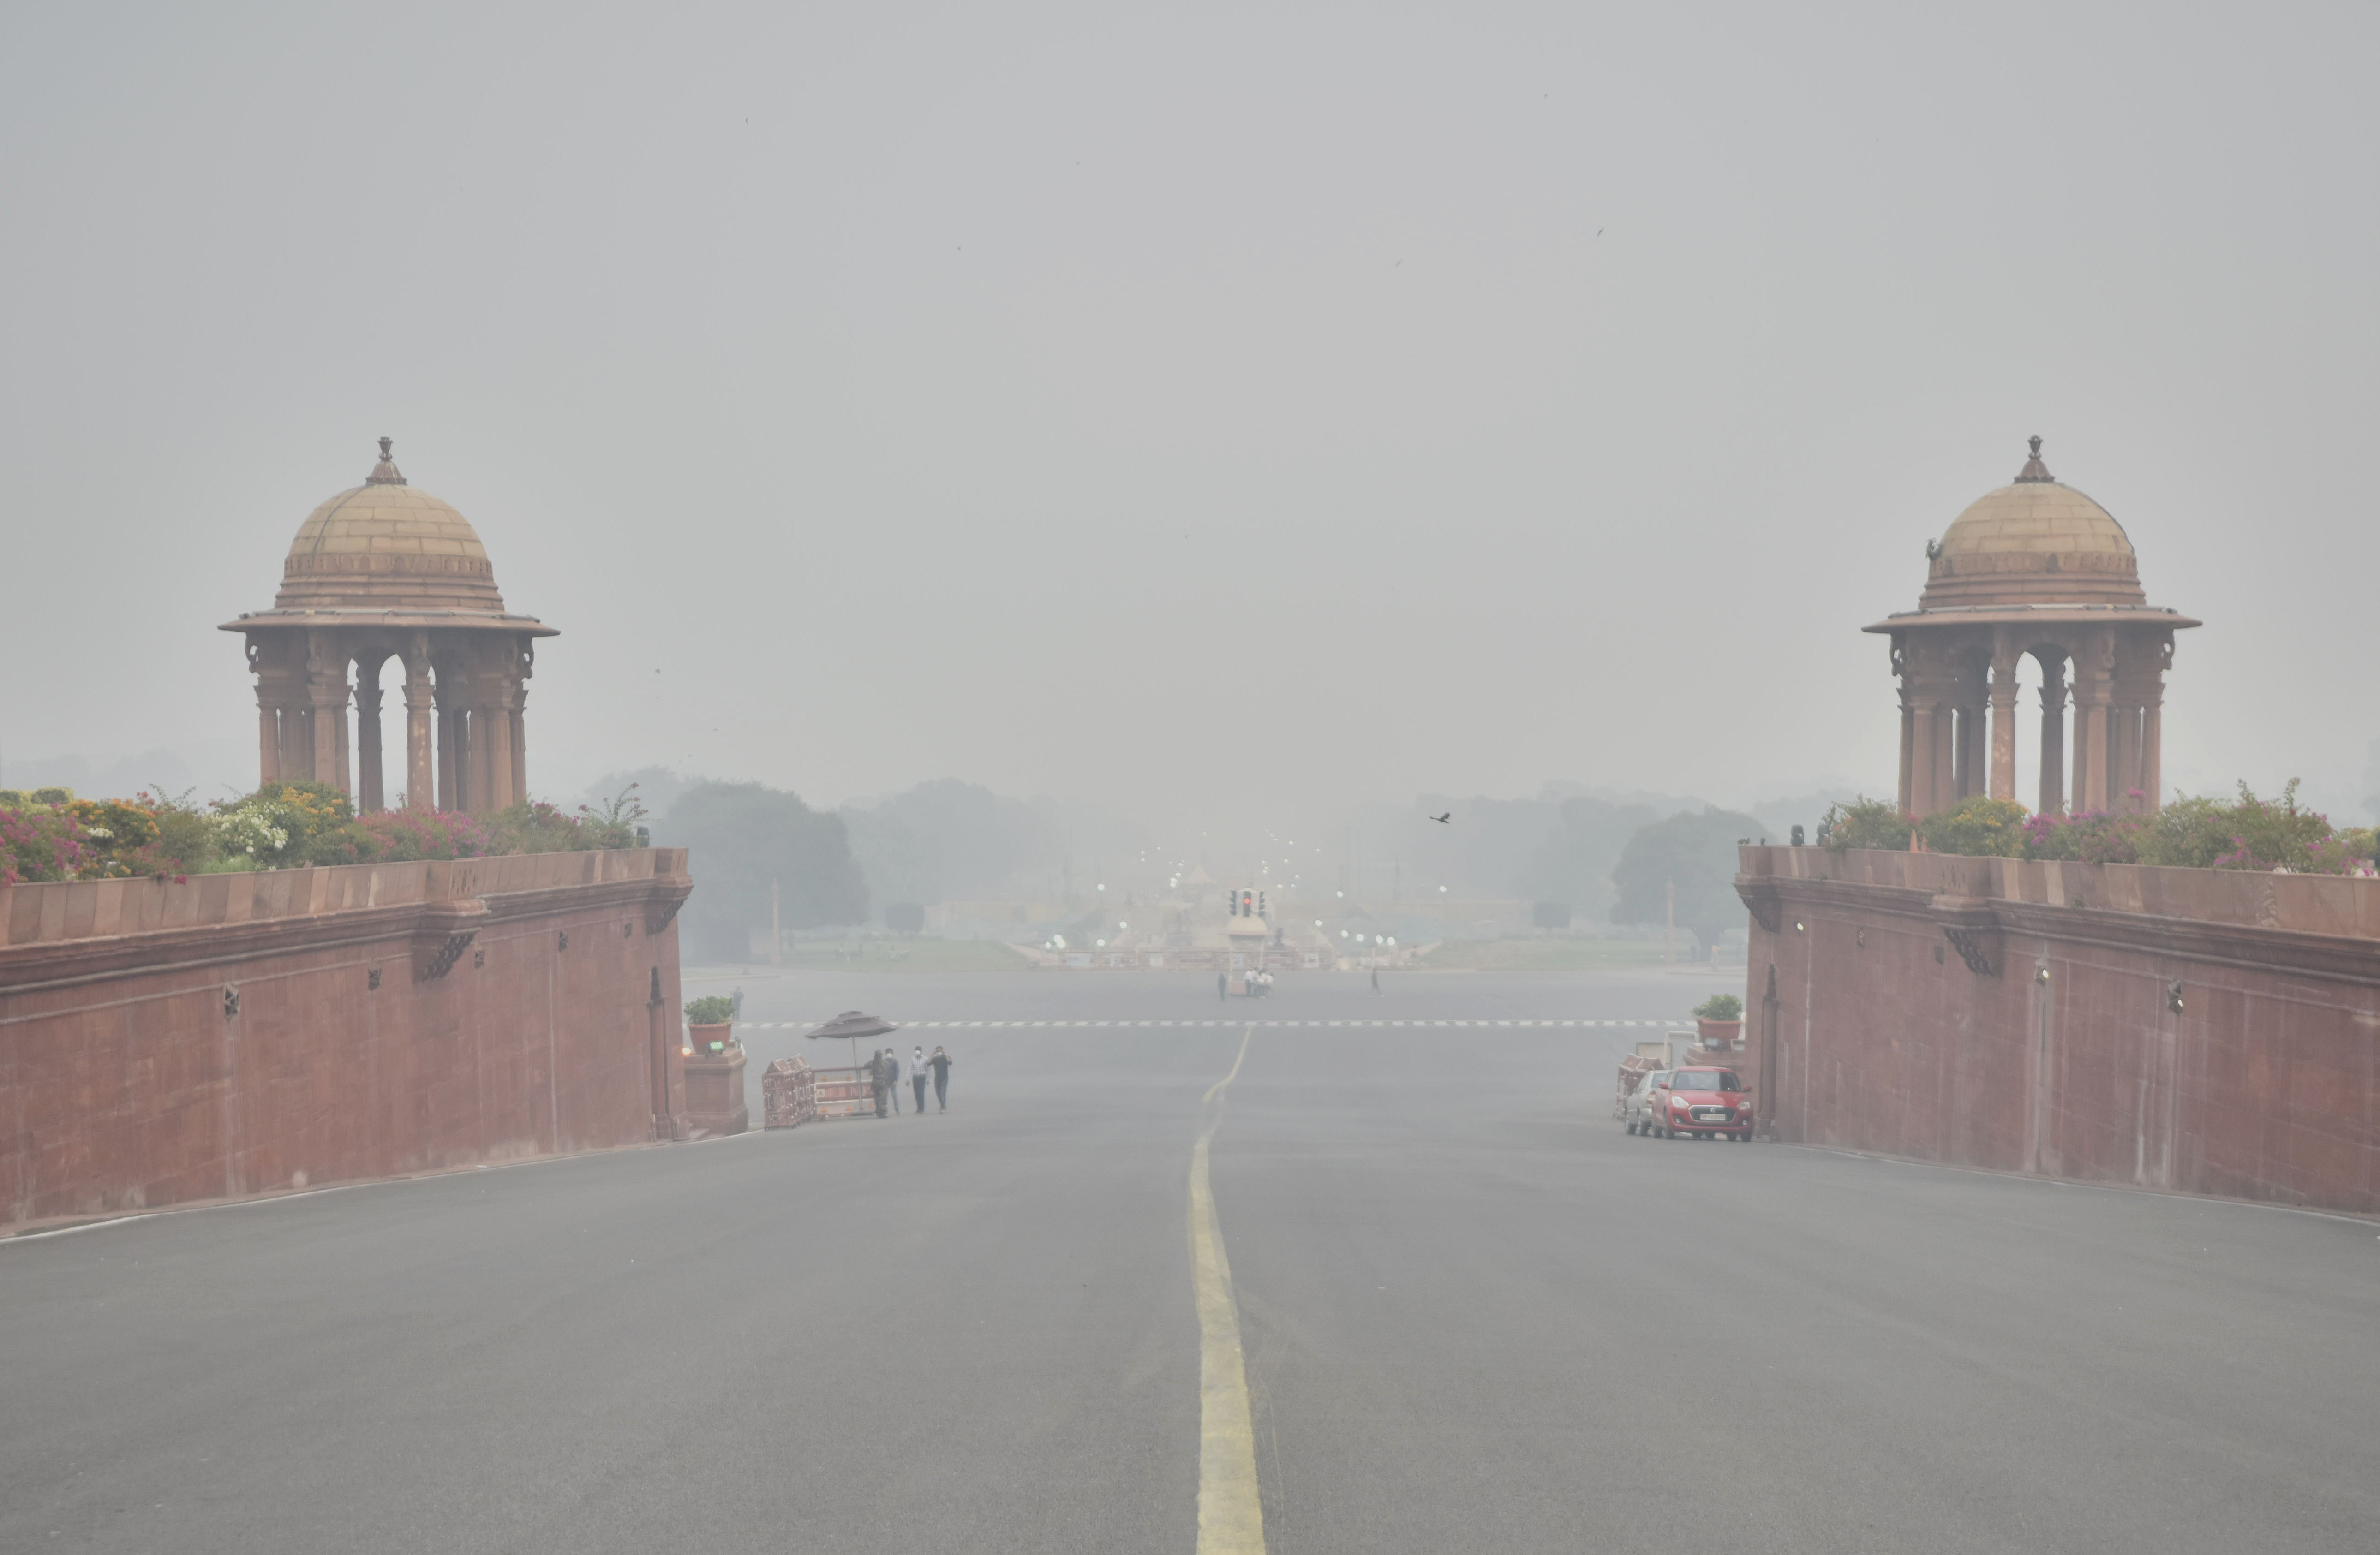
1634, 1112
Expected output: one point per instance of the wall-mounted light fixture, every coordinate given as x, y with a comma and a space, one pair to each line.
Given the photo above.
2041, 971
1860, 939
1799, 927
2173, 995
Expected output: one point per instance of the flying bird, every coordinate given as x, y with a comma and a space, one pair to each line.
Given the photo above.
1445, 819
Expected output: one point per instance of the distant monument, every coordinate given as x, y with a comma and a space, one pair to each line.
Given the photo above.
2032, 568
386, 571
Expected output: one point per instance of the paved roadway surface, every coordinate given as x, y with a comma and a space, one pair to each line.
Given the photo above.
1476, 1316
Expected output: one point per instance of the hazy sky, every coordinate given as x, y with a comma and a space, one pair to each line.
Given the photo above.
1222, 413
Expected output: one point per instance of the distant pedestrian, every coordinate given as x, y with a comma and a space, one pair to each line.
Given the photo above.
892, 1077
1223, 985
941, 1063
918, 1077
880, 1081
1376, 979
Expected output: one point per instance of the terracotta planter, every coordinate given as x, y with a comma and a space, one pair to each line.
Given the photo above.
701, 1038
1719, 1035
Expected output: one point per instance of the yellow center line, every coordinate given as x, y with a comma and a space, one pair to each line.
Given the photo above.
1231, 1511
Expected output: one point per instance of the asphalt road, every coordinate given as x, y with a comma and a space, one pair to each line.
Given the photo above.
1476, 1316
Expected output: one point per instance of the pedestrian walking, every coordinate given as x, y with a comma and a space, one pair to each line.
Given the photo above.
879, 1081
918, 1077
1376, 979
1223, 987
941, 1063
894, 1076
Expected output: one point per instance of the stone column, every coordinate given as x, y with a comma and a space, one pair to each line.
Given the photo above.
1921, 767
524, 666
420, 752
498, 725
450, 739
268, 713
2151, 756
1908, 744
2091, 744
2004, 725
2053, 736
327, 677
370, 793
2095, 673
1945, 732
478, 761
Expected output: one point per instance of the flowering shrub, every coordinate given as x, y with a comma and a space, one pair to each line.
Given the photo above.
1864, 823
2094, 836
248, 830
38, 843
1976, 826
2200, 833
405, 836
282, 825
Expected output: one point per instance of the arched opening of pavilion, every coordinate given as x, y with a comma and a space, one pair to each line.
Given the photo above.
2035, 570
386, 572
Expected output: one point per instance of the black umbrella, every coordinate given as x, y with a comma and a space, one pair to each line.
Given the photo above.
854, 1024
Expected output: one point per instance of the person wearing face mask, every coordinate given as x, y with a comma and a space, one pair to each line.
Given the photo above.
918, 1077
941, 1063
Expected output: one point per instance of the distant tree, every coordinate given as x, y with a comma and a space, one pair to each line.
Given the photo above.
905, 917
657, 788
1696, 853
1573, 859
946, 840
743, 836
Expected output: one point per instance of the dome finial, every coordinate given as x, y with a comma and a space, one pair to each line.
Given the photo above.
2034, 470
386, 472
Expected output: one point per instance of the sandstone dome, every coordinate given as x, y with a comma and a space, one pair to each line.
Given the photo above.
2033, 542
386, 545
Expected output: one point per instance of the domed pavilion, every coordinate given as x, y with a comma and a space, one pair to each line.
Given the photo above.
385, 571
2034, 568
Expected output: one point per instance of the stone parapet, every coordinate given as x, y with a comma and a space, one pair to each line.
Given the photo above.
165, 1041
2200, 1030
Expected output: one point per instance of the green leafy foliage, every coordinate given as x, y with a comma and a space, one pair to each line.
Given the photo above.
1721, 1006
712, 1009
1979, 827
1864, 823
2197, 832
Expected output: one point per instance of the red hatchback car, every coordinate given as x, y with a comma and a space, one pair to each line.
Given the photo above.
1700, 1104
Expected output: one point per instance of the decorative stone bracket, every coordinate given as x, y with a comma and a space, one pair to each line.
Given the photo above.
1767, 902
442, 937
657, 914
1973, 932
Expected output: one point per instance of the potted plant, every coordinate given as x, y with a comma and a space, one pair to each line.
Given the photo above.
1719, 1022
714, 1069
711, 1024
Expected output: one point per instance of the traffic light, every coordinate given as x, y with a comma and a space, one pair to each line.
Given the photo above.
1247, 904
1260, 906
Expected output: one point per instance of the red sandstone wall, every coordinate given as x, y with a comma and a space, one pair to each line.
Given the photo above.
1879, 1034
125, 1082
